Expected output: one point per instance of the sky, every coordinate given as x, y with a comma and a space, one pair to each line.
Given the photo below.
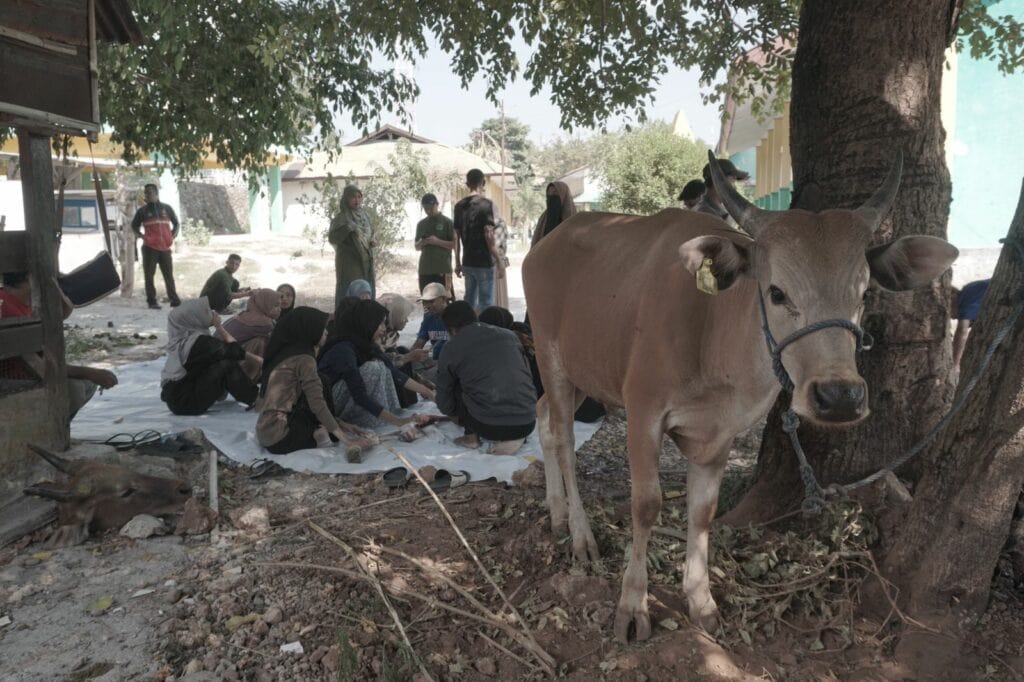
446, 113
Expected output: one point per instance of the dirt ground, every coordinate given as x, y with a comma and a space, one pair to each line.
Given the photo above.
291, 585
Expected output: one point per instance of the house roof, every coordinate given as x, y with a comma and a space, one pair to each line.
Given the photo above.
363, 160
388, 133
740, 128
115, 22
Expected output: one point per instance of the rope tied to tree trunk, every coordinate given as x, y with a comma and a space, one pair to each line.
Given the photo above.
814, 494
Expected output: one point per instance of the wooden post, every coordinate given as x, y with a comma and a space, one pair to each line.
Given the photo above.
40, 232
126, 241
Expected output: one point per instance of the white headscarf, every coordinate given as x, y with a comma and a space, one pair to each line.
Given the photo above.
185, 324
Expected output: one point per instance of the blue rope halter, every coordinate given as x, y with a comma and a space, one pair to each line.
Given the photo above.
814, 500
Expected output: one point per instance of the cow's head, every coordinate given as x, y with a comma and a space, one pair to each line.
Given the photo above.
103, 496
813, 266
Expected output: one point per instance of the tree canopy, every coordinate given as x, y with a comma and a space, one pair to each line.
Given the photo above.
235, 80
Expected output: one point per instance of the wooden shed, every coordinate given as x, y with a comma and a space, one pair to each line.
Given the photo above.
48, 85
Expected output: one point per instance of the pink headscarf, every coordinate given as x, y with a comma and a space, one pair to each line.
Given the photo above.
255, 320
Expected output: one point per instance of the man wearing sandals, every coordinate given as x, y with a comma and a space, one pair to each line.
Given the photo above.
484, 382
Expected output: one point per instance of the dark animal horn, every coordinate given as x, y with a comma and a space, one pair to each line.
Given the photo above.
59, 494
875, 208
58, 463
743, 212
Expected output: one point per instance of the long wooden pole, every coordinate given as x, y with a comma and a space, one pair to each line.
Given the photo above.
41, 245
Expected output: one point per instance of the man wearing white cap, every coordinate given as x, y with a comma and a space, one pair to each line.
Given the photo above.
435, 300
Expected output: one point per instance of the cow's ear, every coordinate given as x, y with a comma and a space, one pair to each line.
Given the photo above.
910, 262
728, 261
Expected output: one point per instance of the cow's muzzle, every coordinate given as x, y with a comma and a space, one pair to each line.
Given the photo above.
838, 401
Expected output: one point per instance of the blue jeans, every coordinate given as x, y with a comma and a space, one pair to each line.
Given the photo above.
479, 287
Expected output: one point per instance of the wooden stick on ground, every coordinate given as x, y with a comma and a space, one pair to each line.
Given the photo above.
399, 593
380, 591
547, 661
496, 618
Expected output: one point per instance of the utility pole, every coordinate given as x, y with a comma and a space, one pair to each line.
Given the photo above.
504, 196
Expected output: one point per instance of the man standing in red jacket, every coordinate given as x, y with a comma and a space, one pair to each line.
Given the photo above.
161, 228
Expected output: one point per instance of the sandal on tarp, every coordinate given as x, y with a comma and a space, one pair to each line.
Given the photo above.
396, 478
266, 468
446, 480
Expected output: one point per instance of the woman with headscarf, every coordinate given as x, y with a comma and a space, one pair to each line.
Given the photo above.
364, 382
501, 243
360, 288
288, 296
560, 207
353, 237
295, 410
200, 368
253, 326
399, 309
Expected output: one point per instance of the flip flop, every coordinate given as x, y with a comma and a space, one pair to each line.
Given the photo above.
446, 480
267, 468
396, 478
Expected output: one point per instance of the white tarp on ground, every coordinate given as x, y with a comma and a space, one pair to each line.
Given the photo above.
134, 405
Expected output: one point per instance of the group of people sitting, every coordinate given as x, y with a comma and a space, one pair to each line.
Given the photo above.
316, 378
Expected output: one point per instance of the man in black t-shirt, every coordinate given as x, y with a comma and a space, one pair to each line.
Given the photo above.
476, 252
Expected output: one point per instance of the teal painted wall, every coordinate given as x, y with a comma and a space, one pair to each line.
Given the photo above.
746, 161
987, 145
276, 200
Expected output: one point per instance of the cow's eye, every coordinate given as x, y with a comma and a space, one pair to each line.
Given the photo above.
127, 492
777, 295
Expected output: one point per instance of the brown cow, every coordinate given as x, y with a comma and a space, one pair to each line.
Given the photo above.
100, 496
616, 315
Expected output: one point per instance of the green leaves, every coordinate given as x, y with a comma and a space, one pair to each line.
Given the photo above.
235, 80
647, 168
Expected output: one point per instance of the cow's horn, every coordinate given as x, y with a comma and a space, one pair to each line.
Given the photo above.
875, 208
51, 492
59, 463
743, 212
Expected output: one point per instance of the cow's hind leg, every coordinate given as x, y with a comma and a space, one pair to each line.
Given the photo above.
557, 506
702, 483
644, 439
561, 405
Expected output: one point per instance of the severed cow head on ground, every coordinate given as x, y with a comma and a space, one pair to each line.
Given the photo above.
617, 315
99, 496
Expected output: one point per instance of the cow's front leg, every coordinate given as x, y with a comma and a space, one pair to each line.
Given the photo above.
644, 448
702, 482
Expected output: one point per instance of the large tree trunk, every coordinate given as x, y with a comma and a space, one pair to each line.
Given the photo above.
855, 102
967, 493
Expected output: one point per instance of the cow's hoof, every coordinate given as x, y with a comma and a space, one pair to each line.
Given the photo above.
584, 546
637, 617
706, 619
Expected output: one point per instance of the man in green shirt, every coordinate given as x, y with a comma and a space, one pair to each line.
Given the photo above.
222, 288
435, 239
